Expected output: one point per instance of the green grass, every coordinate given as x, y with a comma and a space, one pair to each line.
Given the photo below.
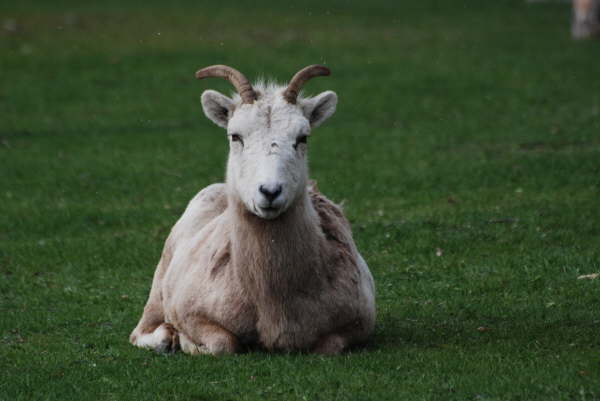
465, 129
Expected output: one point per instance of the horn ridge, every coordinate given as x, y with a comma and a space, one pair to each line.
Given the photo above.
300, 78
237, 79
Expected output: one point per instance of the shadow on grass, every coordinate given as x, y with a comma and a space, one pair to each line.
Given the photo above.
519, 331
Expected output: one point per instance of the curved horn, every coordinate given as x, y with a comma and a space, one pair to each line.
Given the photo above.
237, 79
315, 70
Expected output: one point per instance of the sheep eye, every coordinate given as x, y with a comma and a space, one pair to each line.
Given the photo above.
300, 139
236, 138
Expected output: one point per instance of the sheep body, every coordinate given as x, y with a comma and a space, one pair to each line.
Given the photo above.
285, 280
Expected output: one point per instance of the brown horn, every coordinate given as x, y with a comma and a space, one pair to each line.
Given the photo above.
315, 70
237, 79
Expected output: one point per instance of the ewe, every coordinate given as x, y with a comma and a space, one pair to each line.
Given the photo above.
263, 260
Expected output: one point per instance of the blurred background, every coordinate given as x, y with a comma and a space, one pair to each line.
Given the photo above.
465, 148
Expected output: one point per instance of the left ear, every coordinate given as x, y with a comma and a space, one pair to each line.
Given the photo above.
319, 108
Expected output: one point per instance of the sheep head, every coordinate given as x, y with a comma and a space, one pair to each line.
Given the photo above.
268, 127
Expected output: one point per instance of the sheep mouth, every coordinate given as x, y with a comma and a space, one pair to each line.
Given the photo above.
267, 212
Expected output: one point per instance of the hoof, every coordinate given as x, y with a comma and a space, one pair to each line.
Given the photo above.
163, 339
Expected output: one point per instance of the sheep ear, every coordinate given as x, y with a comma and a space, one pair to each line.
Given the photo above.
217, 107
319, 108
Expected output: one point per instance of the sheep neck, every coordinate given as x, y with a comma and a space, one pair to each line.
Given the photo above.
273, 258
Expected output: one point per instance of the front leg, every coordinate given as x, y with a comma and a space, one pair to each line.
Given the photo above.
163, 338
152, 331
200, 336
331, 344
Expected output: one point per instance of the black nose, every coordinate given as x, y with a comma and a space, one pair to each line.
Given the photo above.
270, 192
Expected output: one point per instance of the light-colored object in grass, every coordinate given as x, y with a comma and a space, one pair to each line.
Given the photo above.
586, 19
588, 276
264, 259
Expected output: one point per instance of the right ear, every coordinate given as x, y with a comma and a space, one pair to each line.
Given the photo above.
217, 107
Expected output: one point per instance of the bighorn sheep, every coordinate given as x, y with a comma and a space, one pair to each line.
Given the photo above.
263, 260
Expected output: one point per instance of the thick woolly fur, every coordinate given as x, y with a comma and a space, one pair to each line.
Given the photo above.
241, 270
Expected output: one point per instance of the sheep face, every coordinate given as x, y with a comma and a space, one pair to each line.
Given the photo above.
267, 167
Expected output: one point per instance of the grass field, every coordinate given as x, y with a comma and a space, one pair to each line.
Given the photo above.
466, 148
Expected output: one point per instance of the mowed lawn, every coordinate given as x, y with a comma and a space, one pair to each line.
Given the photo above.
466, 150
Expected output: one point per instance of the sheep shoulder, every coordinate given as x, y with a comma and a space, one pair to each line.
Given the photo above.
334, 224
341, 261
